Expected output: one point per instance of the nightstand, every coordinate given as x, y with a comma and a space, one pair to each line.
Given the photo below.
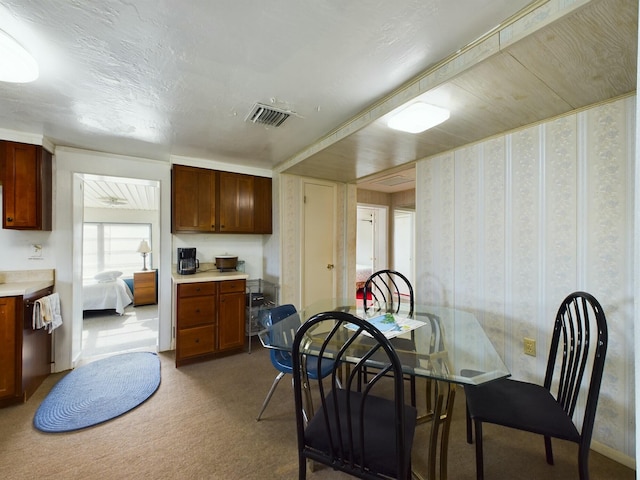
144, 288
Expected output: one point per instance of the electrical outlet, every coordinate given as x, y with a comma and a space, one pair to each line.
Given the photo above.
529, 346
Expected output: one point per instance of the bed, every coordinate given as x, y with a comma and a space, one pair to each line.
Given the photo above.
363, 272
106, 295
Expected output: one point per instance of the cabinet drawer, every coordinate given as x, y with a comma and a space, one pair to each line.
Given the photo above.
195, 341
196, 311
144, 295
230, 286
142, 280
193, 289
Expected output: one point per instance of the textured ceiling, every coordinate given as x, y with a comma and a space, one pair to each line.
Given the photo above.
152, 79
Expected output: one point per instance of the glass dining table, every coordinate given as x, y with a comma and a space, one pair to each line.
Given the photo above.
445, 346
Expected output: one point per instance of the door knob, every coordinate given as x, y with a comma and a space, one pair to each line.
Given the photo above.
329, 266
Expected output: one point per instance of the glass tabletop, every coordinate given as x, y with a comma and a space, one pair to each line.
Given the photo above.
435, 342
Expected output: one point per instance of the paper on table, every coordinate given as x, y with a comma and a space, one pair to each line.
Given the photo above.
390, 325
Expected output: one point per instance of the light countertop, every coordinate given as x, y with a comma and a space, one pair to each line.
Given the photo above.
25, 282
212, 275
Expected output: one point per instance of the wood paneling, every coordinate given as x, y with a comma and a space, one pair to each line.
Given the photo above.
585, 57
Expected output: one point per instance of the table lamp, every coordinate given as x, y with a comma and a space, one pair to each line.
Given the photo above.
144, 249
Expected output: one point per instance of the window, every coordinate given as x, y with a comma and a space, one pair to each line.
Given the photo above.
113, 246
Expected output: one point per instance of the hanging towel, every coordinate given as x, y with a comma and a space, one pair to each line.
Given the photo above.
46, 313
36, 316
56, 316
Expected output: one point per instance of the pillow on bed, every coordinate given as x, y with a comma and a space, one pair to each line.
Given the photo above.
108, 276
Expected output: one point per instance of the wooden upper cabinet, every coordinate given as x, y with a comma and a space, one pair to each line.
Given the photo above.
236, 203
212, 201
193, 202
26, 186
262, 211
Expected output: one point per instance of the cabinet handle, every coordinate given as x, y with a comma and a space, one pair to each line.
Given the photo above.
197, 340
9, 219
197, 310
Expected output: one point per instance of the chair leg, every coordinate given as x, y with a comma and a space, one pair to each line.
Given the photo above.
469, 426
412, 382
479, 453
271, 390
583, 462
302, 468
548, 450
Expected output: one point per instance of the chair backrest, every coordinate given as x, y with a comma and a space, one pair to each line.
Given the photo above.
579, 346
280, 359
340, 437
388, 290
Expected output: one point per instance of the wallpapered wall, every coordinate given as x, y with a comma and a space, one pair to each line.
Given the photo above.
506, 228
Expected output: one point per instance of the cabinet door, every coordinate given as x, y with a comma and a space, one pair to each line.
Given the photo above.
262, 211
236, 203
193, 201
26, 197
231, 314
8, 348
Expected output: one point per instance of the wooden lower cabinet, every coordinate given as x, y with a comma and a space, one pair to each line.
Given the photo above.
209, 319
231, 309
25, 353
8, 347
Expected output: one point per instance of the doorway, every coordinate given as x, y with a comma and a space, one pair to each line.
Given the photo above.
371, 241
119, 214
403, 243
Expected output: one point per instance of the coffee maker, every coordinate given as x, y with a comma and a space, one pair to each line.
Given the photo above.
187, 261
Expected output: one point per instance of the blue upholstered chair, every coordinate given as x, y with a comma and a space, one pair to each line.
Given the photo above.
281, 360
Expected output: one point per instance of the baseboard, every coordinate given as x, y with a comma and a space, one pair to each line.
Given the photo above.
615, 455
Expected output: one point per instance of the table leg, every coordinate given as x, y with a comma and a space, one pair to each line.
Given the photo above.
440, 417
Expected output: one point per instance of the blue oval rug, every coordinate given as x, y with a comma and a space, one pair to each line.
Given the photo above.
99, 391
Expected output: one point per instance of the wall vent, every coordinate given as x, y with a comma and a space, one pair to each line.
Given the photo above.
267, 115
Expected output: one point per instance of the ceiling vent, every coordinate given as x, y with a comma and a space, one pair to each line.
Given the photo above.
393, 181
267, 115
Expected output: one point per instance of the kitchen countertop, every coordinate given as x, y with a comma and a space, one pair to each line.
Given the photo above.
212, 275
25, 282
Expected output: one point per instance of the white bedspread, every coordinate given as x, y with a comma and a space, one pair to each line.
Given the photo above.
106, 295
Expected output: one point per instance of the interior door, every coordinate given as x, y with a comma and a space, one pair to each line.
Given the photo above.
318, 268
403, 243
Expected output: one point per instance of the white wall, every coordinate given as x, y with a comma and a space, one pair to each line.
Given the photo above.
506, 228
208, 246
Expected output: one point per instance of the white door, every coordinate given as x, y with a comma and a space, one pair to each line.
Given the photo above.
403, 244
318, 267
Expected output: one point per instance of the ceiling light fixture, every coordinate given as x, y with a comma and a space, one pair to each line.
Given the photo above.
418, 117
16, 64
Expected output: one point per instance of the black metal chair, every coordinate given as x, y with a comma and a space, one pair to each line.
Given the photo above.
388, 291
366, 432
579, 343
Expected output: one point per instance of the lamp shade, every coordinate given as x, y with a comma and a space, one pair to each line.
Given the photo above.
16, 64
144, 247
